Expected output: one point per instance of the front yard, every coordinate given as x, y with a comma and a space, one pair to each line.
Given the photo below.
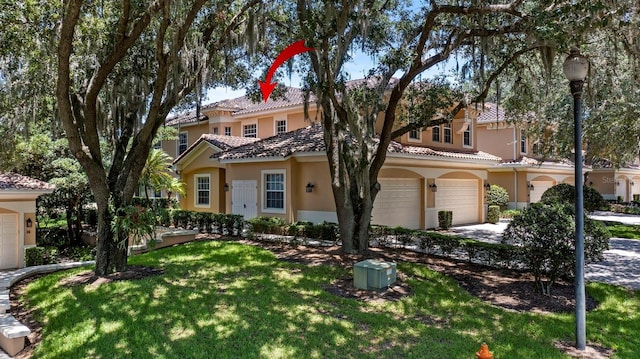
219, 299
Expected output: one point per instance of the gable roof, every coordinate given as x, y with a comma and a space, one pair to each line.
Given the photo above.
16, 182
311, 139
221, 142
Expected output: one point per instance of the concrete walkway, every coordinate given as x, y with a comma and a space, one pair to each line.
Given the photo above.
9, 278
621, 264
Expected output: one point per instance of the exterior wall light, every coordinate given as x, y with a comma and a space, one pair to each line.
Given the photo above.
226, 187
530, 186
487, 186
29, 222
309, 187
433, 187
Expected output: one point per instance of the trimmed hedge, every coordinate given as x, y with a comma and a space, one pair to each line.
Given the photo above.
444, 219
493, 214
565, 193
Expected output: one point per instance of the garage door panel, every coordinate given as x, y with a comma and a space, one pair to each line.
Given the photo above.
8, 241
398, 203
539, 187
460, 197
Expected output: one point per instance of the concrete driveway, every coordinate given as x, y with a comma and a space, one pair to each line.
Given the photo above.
621, 264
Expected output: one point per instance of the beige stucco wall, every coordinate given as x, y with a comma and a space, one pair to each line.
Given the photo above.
253, 171
193, 134
604, 182
30, 233
497, 142
216, 187
321, 197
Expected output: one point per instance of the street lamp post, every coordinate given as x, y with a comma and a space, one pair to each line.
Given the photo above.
575, 69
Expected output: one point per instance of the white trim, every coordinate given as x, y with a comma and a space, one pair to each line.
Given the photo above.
196, 190
439, 127
275, 125
470, 130
263, 188
244, 125
186, 133
525, 140
445, 127
415, 140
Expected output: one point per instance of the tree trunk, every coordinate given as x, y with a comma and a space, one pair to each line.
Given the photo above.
111, 253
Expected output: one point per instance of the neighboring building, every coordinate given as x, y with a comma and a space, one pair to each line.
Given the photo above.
523, 172
615, 184
270, 177
18, 196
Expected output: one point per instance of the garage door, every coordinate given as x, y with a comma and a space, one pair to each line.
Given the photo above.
8, 241
539, 187
398, 203
460, 197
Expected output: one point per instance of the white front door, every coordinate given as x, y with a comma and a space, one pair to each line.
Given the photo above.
398, 203
9, 241
621, 189
244, 198
459, 196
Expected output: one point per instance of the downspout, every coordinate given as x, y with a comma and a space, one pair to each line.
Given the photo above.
515, 183
515, 144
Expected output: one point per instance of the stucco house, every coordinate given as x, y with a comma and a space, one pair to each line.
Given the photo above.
616, 184
286, 174
17, 216
523, 172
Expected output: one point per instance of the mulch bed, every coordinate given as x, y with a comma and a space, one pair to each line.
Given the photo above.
508, 289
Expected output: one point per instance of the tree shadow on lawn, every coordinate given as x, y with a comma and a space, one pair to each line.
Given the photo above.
223, 299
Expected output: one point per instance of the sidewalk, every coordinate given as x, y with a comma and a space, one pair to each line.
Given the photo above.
8, 278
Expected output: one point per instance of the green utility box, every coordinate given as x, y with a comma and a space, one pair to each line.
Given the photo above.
374, 274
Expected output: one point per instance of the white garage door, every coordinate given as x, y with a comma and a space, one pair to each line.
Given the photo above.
539, 187
398, 203
460, 197
8, 241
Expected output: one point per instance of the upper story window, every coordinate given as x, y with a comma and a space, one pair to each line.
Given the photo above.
203, 190
273, 191
216, 131
157, 145
250, 130
182, 142
415, 135
447, 133
227, 131
435, 133
523, 141
281, 126
466, 136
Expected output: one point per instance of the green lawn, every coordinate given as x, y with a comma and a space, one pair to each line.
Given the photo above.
620, 230
229, 300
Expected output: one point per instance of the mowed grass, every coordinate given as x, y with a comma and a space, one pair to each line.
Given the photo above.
620, 230
230, 300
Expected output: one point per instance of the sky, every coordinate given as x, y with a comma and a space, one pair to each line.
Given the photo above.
357, 68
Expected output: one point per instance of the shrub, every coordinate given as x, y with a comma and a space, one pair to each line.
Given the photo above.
163, 217
182, 218
36, 256
546, 233
91, 215
509, 213
444, 219
565, 193
493, 214
498, 196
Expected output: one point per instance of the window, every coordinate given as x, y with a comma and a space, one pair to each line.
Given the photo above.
227, 131
203, 187
274, 191
250, 130
216, 131
281, 126
523, 142
157, 145
182, 142
435, 133
157, 194
447, 133
415, 135
466, 136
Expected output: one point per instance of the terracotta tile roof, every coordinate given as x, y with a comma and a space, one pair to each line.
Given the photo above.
449, 153
292, 97
222, 142
308, 139
16, 182
237, 103
491, 113
311, 139
532, 162
186, 118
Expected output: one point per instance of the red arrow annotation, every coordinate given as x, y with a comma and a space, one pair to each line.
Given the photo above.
290, 51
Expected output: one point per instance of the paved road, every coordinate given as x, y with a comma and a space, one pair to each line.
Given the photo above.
621, 265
